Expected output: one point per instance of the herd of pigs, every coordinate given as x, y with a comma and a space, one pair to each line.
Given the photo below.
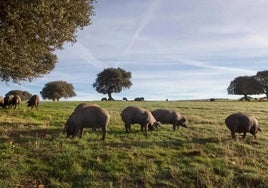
87, 115
12, 101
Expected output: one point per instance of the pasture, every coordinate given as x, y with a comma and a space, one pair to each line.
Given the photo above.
35, 150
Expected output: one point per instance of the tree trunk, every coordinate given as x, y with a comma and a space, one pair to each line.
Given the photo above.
110, 98
246, 98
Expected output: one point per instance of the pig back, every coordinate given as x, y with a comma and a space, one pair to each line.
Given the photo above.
134, 115
92, 117
84, 105
165, 116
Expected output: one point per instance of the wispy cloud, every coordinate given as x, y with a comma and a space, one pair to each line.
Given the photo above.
218, 68
81, 53
149, 14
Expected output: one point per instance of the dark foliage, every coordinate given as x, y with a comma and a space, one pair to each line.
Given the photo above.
262, 77
31, 31
112, 80
244, 85
24, 95
57, 89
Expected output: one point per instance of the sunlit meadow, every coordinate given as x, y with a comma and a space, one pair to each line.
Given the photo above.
35, 151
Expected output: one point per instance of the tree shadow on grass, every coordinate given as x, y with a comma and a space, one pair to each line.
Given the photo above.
224, 140
214, 140
23, 132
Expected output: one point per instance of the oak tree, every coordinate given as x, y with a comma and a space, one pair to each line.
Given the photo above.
24, 95
31, 31
112, 80
57, 89
244, 85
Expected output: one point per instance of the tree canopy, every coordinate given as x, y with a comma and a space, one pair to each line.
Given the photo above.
244, 85
24, 95
57, 89
262, 77
31, 30
112, 80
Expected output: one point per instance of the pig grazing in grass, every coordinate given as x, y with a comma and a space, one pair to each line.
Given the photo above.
87, 116
12, 101
166, 116
242, 123
16, 101
8, 101
137, 115
33, 101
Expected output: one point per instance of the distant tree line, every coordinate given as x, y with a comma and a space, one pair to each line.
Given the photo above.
250, 85
114, 80
110, 80
52, 90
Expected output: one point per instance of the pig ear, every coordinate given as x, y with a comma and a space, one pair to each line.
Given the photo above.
259, 129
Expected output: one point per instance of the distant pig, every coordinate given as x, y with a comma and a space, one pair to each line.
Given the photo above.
137, 115
87, 116
8, 101
33, 101
166, 116
242, 123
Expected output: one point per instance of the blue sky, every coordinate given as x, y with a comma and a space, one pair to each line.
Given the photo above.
175, 49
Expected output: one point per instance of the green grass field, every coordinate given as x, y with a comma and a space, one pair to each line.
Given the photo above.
35, 150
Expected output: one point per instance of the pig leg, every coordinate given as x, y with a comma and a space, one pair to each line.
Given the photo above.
174, 127
68, 134
244, 135
104, 132
146, 129
142, 126
233, 135
81, 132
127, 127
